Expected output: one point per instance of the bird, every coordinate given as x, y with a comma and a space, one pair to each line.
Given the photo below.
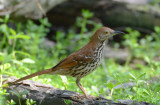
81, 62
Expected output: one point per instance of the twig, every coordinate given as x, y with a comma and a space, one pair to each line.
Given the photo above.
40, 7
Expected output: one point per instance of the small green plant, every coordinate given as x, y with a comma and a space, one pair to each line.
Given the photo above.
2, 70
2, 95
83, 21
30, 102
146, 48
68, 102
131, 40
19, 95
4, 31
155, 2
13, 55
11, 102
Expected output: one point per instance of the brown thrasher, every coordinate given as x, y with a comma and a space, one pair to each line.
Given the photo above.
81, 62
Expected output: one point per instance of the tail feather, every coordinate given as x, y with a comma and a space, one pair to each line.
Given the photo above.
47, 71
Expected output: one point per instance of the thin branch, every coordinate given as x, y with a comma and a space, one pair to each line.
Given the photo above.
40, 7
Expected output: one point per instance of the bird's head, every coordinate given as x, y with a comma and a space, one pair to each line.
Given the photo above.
104, 33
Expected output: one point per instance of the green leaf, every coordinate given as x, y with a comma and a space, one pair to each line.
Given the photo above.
157, 29
86, 13
11, 102
147, 59
1, 20
11, 37
19, 36
110, 85
5, 66
8, 73
23, 36
6, 18
13, 32
23, 53
15, 93
4, 28
133, 76
28, 60
16, 62
24, 92
143, 74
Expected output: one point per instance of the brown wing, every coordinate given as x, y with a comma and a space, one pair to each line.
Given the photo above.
76, 58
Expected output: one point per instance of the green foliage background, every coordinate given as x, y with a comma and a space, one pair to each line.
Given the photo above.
22, 52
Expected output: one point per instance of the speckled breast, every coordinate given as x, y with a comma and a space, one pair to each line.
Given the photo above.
87, 68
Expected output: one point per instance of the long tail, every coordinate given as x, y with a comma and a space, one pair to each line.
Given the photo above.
47, 71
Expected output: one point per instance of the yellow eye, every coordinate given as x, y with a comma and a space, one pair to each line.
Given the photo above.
105, 32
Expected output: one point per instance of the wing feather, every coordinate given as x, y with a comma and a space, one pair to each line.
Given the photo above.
76, 58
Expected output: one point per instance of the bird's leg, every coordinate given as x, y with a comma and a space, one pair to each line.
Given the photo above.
81, 87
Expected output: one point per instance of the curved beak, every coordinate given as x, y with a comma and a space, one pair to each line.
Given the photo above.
114, 33
117, 32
